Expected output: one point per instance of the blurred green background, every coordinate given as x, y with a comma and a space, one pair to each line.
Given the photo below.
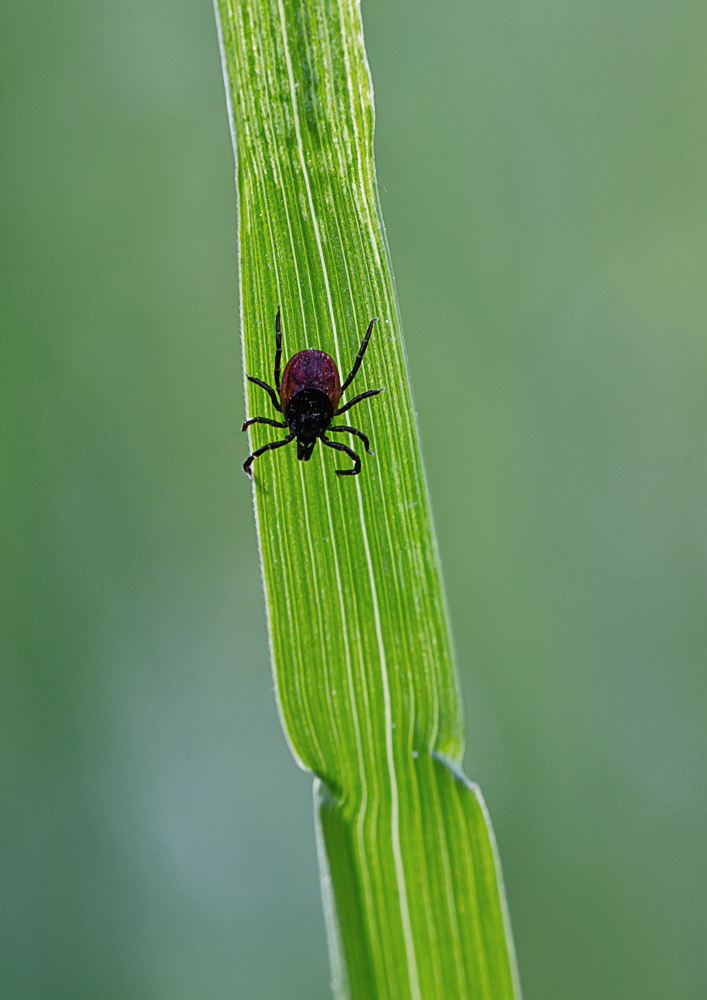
542, 171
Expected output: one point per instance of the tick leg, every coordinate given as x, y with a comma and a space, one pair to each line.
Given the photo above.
357, 399
269, 389
261, 451
350, 452
262, 420
278, 350
359, 434
359, 356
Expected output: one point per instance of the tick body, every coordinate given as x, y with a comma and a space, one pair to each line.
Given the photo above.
308, 397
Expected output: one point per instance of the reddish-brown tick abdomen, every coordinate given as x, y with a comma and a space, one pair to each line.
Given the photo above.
310, 369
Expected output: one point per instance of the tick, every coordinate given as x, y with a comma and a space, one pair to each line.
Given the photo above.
308, 397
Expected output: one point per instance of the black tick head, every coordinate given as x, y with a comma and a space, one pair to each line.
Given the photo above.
308, 413
305, 449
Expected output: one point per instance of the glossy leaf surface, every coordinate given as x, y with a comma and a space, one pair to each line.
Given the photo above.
359, 633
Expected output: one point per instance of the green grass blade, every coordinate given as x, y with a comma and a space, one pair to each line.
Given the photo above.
358, 624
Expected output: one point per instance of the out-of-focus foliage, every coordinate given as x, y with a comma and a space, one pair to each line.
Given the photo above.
542, 184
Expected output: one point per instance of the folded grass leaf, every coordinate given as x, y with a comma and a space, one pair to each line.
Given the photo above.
359, 633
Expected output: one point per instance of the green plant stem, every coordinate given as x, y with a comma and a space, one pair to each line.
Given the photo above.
358, 624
